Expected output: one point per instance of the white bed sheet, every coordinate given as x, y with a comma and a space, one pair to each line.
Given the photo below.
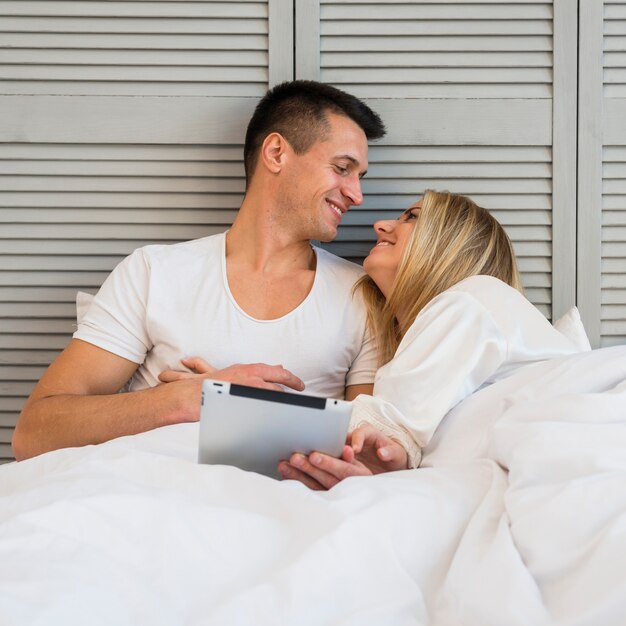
519, 517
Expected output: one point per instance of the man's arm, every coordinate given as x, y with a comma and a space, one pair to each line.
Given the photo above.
77, 403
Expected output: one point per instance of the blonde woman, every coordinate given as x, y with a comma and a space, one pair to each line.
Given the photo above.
446, 305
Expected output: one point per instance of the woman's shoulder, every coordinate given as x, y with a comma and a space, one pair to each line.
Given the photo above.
486, 286
501, 300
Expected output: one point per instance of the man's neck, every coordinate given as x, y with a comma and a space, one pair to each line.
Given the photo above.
257, 241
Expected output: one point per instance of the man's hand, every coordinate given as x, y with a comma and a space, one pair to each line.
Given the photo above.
253, 374
370, 452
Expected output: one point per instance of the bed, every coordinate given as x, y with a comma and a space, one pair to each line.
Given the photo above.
517, 516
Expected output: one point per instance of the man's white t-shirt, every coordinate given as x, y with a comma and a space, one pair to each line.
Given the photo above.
167, 302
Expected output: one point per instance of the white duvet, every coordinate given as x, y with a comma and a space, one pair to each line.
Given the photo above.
517, 517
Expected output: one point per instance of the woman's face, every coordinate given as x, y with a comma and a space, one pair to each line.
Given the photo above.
384, 259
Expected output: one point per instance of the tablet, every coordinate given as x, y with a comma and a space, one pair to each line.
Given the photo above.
254, 428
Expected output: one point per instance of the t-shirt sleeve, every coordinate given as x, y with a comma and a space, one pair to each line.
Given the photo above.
116, 319
363, 368
452, 348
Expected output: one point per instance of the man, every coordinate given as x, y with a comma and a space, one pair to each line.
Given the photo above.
257, 294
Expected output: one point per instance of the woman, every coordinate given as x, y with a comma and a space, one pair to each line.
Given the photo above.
445, 303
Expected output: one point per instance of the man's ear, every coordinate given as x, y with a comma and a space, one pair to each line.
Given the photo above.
274, 152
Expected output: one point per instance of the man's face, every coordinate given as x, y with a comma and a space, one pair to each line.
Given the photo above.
322, 184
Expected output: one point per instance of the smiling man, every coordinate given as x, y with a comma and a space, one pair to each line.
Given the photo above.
259, 294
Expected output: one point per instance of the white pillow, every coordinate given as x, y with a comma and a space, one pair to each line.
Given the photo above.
572, 327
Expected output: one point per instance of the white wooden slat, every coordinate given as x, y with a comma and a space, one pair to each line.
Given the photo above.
614, 218
130, 200
75, 278
121, 184
565, 112
437, 27
613, 296
6, 456
589, 185
12, 388
439, 11
129, 153
136, 41
36, 310
307, 32
19, 263
121, 247
467, 186
615, 27
48, 326
489, 201
155, 232
281, 42
456, 60
179, 59
121, 73
457, 2
614, 233
201, 26
614, 265
614, 312
11, 404
441, 155
616, 11
516, 232
613, 281
507, 217
33, 295
27, 356
614, 59
614, 43
100, 89
488, 122
155, 120
8, 420
117, 216
445, 171
451, 91
54, 343
404, 75
436, 43
155, 9
120, 168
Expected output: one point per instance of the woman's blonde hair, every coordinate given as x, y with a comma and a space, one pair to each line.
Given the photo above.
453, 239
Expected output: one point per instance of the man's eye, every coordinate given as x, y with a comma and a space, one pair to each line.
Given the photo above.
341, 170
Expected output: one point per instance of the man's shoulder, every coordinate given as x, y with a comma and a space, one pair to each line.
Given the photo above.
183, 250
337, 266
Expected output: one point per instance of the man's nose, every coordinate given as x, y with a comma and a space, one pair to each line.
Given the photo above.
352, 190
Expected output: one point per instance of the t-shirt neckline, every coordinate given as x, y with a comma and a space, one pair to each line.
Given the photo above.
236, 304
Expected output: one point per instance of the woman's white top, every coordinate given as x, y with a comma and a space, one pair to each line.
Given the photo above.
474, 334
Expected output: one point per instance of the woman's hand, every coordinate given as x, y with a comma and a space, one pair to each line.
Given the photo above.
252, 374
370, 452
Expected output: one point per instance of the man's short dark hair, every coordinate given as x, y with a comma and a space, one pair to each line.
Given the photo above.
297, 110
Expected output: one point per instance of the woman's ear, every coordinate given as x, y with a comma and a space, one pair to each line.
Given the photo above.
274, 152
